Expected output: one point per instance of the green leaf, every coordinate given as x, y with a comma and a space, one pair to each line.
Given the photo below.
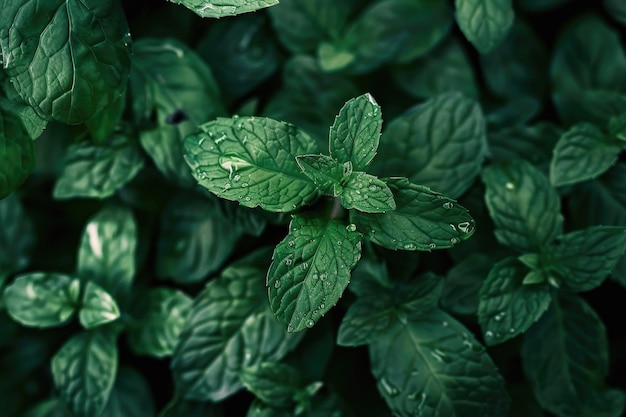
420, 296
161, 317
179, 407
173, 91
325, 172
222, 8
130, 397
524, 207
260, 409
84, 372
311, 269
584, 258
42, 299
355, 134
16, 237
422, 220
32, 122
485, 23
430, 364
616, 9
252, 160
581, 92
440, 143
97, 171
533, 143
366, 193
106, 255
366, 319
98, 307
508, 307
565, 357
70, 62
17, 152
197, 236
463, 282
48, 408
103, 123
229, 327
273, 383
582, 153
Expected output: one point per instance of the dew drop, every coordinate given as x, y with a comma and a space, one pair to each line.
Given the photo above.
432, 245
372, 187
277, 283
322, 306
448, 205
288, 261
310, 323
389, 388
509, 186
454, 240
291, 243
444, 324
290, 328
339, 243
410, 246
315, 277
512, 330
227, 186
488, 333
323, 277
465, 227
247, 199
237, 178
244, 185
304, 266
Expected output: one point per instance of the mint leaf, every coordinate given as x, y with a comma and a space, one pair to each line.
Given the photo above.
161, 317
70, 62
103, 123
534, 143
222, 8
98, 171
485, 23
273, 383
355, 134
311, 269
325, 172
420, 296
523, 223
366, 319
582, 153
16, 237
440, 143
106, 254
17, 152
48, 408
565, 357
260, 409
508, 307
98, 307
172, 92
229, 327
422, 220
32, 122
428, 365
366, 193
462, 284
42, 299
584, 258
252, 160
130, 396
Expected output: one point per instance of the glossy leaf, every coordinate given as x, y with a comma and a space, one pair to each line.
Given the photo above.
273, 383
42, 299
429, 365
485, 23
260, 409
161, 317
366, 193
526, 210
32, 122
98, 307
325, 172
229, 327
440, 143
422, 220
565, 357
507, 307
355, 134
366, 319
252, 160
311, 269
107, 250
97, 171
223, 8
130, 397
69, 62
582, 153
17, 152
16, 237
84, 372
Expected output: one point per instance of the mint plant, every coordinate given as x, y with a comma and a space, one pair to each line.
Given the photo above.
203, 212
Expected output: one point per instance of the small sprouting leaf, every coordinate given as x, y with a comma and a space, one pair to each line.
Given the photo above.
366, 193
485, 23
98, 171
17, 152
440, 143
229, 327
252, 160
222, 8
16, 237
107, 250
508, 306
565, 357
422, 220
42, 299
130, 397
161, 317
355, 134
325, 172
428, 365
273, 383
311, 269
524, 207
582, 153
98, 307
84, 371
71, 61
584, 258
